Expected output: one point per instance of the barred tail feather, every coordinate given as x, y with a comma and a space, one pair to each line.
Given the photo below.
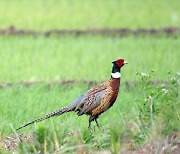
55, 113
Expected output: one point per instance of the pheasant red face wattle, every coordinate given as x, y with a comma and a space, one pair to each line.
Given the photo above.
120, 62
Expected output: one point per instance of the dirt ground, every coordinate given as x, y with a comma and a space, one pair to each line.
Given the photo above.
129, 85
109, 32
169, 145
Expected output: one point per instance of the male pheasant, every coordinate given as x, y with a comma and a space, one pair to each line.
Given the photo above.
95, 101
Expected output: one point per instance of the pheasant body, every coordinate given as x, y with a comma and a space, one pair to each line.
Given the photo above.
95, 101
108, 98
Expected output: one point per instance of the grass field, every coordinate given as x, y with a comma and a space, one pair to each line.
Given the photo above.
81, 14
77, 58
147, 109
129, 120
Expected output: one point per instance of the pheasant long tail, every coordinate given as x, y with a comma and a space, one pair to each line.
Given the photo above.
55, 113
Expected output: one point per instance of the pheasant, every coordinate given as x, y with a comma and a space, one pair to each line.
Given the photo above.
95, 101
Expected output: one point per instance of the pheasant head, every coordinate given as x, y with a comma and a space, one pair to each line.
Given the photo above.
117, 65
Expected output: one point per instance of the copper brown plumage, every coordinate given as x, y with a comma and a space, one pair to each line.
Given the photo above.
95, 101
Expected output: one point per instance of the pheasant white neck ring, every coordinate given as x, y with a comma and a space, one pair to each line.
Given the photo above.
116, 75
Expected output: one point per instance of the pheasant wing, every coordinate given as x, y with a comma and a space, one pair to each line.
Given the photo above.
92, 99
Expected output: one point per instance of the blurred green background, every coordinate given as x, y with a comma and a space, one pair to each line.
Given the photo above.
82, 14
77, 58
88, 57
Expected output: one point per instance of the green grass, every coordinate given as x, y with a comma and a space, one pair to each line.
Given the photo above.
38, 100
85, 58
143, 113
81, 14
130, 119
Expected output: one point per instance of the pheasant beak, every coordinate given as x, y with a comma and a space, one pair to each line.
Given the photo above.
125, 62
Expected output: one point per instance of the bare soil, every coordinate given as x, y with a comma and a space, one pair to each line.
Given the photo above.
169, 145
168, 31
129, 85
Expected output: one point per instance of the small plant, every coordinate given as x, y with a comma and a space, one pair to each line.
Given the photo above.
157, 101
116, 136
